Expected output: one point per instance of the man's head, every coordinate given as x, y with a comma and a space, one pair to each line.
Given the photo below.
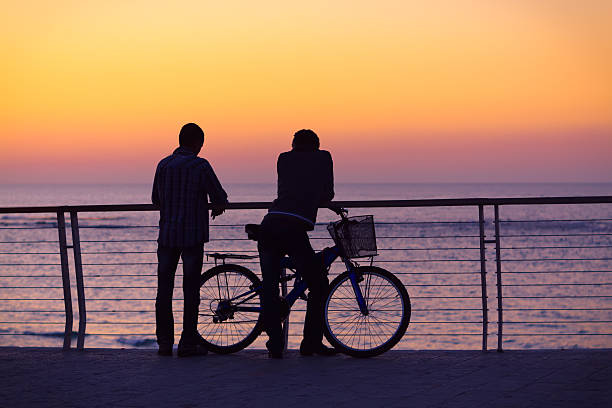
191, 137
305, 140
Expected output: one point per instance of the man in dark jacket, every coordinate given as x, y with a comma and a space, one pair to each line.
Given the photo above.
183, 181
305, 182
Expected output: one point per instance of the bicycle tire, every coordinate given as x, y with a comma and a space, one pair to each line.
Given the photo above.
346, 305
214, 339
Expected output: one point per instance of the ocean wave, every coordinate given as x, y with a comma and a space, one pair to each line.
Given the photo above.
51, 221
136, 342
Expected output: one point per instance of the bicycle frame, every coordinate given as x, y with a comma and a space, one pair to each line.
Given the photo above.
327, 257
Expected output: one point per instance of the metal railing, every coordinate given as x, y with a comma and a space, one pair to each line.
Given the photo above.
551, 275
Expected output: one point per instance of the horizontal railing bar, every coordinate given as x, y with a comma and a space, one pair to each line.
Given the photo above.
554, 235
560, 247
123, 287
153, 274
417, 222
155, 287
29, 242
312, 238
560, 321
433, 273
30, 276
293, 309
429, 260
124, 275
32, 311
23, 334
447, 322
557, 297
560, 220
556, 259
29, 253
127, 299
119, 252
449, 309
427, 249
180, 323
412, 297
378, 237
555, 334
121, 240
440, 202
563, 309
257, 262
255, 251
31, 287
380, 249
28, 228
123, 263
601, 271
242, 225
33, 322
439, 285
29, 264
558, 284
118, 226
291, 335
19, 299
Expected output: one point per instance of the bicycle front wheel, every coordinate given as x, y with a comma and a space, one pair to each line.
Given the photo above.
382, 327
230, 308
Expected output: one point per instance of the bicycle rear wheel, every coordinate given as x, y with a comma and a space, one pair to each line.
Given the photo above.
230, 317
366, 335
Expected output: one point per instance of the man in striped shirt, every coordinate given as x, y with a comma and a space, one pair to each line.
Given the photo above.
182, 186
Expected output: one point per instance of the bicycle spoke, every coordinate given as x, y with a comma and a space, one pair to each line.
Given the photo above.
222, 293
365, 332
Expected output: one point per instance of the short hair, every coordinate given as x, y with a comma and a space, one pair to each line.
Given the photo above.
306, 139
191, 135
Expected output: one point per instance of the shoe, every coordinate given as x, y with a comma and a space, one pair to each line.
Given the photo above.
195, 346
321, 350
165, 350
274, 352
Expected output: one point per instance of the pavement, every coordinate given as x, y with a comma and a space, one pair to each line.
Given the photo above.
49, 377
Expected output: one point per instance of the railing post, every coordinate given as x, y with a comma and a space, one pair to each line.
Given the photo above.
284, 293
63, 247
500, 310
483, 278
78, 265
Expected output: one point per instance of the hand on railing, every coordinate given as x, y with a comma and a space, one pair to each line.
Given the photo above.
216, 210
342, 212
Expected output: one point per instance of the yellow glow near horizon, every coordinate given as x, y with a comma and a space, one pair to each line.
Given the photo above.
85, 83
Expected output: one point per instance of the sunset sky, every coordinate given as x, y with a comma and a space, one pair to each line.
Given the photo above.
414, 91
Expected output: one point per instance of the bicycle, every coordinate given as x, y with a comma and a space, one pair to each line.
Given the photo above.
367, 310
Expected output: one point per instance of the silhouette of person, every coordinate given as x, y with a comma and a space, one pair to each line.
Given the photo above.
182, 183
305, 182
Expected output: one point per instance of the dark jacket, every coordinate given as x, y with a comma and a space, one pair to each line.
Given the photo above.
183, 183
305, 182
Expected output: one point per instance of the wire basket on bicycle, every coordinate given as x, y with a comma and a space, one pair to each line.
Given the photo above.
354, 236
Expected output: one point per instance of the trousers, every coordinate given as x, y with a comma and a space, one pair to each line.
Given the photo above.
168, 258
281, 235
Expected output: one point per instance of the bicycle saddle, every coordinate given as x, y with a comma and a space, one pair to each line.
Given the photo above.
252, 231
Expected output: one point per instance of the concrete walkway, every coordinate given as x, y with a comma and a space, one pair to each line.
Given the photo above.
44, 377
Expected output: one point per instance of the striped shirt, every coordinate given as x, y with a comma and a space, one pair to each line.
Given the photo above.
183, 183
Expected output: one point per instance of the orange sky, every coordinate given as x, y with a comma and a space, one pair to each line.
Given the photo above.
399, 91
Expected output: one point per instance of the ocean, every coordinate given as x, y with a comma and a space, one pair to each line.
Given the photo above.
556, 263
